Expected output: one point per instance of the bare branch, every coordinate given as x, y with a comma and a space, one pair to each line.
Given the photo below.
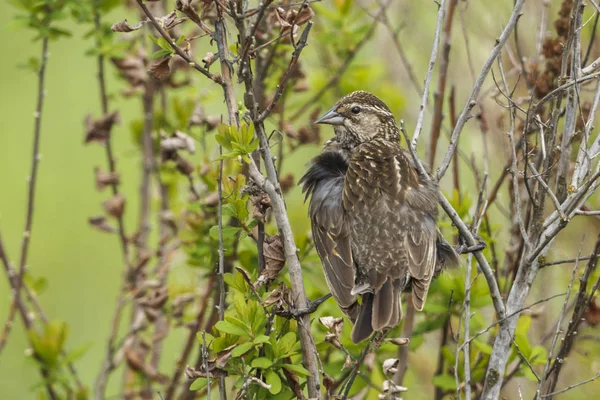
432, 59
464, 115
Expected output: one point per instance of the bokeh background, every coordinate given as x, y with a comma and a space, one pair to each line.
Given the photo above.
83, 267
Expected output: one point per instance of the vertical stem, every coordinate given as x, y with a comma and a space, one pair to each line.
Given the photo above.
229, 93
35, 158
438, 96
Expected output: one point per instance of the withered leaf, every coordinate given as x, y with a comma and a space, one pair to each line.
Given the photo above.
400, 341
115, 205
274, 259
592, 313
123, 26
184, 166
160, 68
132, 68
198, 115
334, 325
390, 366
304, 16
104, 179
170, 20
99, 222
208, 58
178, 141
223, 356
391, 388
98, 130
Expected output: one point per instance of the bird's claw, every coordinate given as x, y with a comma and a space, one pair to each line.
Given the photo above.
311, 306
465, 249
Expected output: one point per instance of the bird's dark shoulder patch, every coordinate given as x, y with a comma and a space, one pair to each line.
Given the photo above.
326, 166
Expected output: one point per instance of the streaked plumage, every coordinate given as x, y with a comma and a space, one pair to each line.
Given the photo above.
373, 217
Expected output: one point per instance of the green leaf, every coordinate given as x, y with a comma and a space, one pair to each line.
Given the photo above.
228, 327
242, 349
483, 347
198, 384
160, 53
253, 223
445, 382
76, 353
273, 380
299, 369
261, 362
261, 339
538, 356
228, 232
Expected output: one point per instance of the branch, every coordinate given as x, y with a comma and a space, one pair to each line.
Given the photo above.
288, 72
345, 64
177, 49
271, 187
464, 231
229, 94
464, 115
432, 59
438, 96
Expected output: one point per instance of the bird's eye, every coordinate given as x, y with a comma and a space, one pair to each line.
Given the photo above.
356, 109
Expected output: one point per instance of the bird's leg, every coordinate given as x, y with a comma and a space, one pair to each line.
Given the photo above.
463, 248
311, 306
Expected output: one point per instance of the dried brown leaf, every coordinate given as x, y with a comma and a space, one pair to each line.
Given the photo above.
98, 130
132, 69
123, 26
334, 325
184, 166
160, 68
390, 366
104, 179
304, 16
400, 341
178, 141
99, 222
115, 205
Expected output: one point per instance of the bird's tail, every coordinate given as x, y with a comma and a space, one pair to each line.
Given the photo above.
378, 311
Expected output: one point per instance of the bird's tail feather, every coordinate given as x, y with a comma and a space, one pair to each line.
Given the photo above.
378, 311
362, 327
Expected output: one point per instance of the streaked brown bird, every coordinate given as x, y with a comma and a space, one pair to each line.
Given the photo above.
373, 216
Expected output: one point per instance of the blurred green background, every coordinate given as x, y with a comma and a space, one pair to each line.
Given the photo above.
83, 266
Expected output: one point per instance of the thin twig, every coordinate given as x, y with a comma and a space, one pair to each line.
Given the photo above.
432, 59
465, 233
343, 67
471, 102
176, 48
438, 102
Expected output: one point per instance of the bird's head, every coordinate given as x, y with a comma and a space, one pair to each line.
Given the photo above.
360, 117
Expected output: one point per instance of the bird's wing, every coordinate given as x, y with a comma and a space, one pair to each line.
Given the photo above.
324, 183
421, 253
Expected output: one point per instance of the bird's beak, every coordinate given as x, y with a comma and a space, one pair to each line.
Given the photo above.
331, 117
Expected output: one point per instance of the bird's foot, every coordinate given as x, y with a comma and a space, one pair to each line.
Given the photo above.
464, 248
311, 306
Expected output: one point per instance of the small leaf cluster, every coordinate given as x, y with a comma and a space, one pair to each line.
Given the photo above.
252, 342
240, 142
48, 350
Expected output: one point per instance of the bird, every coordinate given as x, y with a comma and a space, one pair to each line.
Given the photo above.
373, 216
